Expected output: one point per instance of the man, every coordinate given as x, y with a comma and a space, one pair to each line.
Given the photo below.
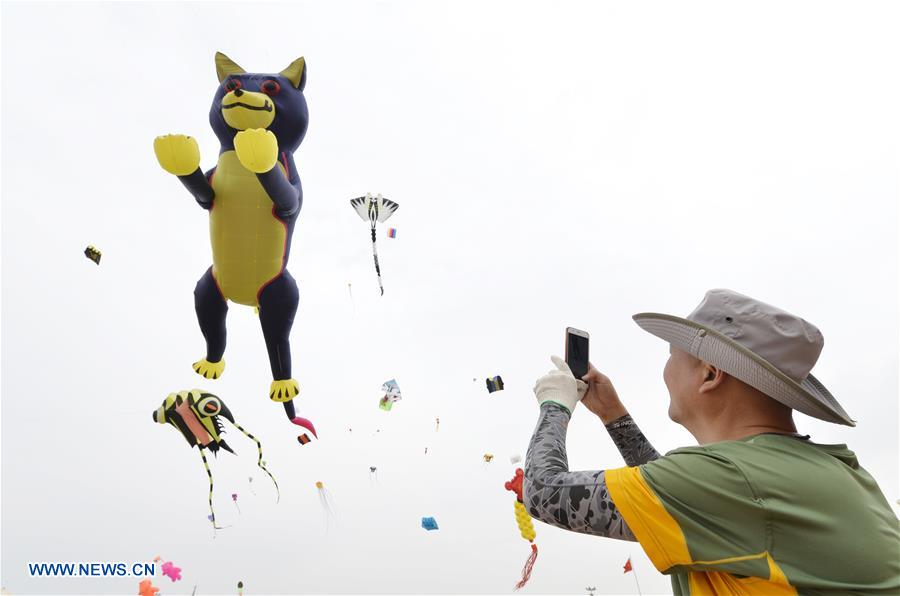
756, 508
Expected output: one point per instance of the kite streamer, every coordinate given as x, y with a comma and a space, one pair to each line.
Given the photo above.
374, 211
327, 503
526, 527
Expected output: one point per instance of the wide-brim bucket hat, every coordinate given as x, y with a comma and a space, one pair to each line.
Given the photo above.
762, 345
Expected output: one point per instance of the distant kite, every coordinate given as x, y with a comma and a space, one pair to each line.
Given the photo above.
374, 211
495, 384
171, 571
93, 254
526, 527
429, 523
145, 588
327, 503
391, 396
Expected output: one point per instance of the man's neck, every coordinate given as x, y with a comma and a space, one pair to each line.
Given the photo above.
726, 428
735, 434
746, 415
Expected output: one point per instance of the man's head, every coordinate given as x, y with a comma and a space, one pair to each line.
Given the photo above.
708, 402
734, 345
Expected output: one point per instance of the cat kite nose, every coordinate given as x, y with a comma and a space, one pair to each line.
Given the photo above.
238, 92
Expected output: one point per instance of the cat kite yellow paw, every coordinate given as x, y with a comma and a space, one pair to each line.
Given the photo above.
177, 154
285, 390
257, 149
209, 370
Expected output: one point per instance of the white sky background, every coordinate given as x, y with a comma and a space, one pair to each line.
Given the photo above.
555, 164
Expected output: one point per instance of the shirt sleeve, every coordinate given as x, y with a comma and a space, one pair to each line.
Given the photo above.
693, 509
576, 501
630, 441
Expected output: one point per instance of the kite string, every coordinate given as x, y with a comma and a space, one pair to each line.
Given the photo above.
259, 462
209, 473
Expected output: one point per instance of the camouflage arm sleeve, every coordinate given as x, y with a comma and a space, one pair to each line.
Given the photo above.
631, 442
576, 501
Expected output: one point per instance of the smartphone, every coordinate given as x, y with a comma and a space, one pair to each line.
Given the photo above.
577, 351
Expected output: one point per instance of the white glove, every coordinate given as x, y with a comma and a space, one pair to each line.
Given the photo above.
560, 386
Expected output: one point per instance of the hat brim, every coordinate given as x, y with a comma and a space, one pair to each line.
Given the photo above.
809, 396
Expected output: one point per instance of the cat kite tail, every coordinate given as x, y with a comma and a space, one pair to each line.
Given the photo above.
253, 196
198, 417
374, 210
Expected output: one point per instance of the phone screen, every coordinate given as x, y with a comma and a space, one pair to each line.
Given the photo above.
577, 351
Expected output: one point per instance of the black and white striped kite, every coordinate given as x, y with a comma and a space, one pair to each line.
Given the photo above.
374, 210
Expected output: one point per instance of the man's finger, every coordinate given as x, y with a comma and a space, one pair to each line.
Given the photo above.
592, 374
560, 364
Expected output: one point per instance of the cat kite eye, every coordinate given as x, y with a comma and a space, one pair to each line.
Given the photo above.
270, 87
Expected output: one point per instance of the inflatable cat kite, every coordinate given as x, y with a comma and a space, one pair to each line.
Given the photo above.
253, 196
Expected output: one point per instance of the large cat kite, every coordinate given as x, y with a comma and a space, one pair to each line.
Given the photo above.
253, 196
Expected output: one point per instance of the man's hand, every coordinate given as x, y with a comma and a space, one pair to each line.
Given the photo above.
601, 397
559, 386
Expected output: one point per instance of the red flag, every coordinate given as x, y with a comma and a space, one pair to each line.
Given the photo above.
627, 565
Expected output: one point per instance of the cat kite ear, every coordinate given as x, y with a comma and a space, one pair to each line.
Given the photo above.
296, 73
226, 66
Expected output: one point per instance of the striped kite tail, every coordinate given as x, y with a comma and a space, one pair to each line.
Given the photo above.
209, 473
259, 462
377, 267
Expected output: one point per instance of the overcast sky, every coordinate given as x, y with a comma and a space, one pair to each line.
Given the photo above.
555, 164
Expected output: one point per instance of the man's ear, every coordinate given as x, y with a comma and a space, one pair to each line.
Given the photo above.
713, 377
296, 73
226, 66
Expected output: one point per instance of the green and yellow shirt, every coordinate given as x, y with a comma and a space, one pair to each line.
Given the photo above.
767, 514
